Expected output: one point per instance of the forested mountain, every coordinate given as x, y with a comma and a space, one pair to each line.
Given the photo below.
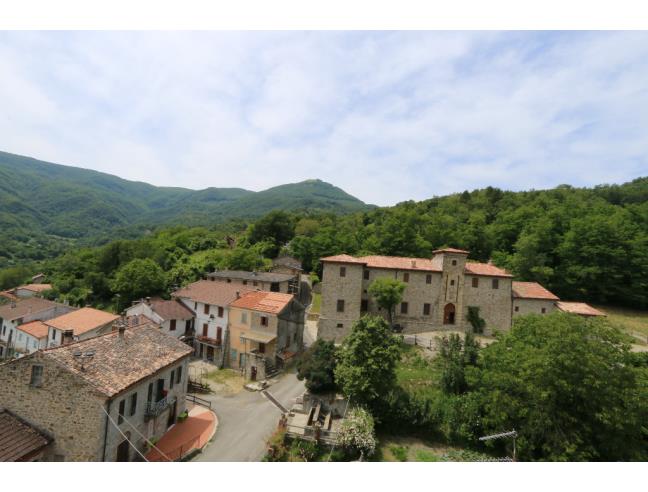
45, 208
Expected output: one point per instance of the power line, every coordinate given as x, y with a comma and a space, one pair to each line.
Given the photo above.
124, 435
145, 438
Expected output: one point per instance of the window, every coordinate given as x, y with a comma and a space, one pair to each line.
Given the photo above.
195, 306
244, 282
173, 325
404, 307
233, 354
229, 280
452, 282
406, 277
428, 278
255, 283
475, 282
366, 274
264, 321
179, 375
36, 376
340, 325
454, 262
364, 305
53, 334
340, 306
495, 283
544, 310
122, 411
219, 334
172, 379
342, 271
262, 348
133, 404
221, 311
426, 309
205, 329
20, 336
149, 396
517, 308
244, 318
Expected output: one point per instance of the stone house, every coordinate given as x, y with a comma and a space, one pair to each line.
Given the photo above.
77, 325
22, 311
20, 441
531, 297
210, 302
270, 281
266, 330
439, 292
100, 398
288, 265
173, 316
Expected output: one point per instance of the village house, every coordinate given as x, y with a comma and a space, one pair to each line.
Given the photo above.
440, 293
99, 399
31, 290
22, 311
210, 302
270, 281
173, 316
30, 337
288, 265
77, 325
266, 330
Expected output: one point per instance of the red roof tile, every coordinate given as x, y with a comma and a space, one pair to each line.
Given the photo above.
579, 308
389, 262
532, 290
36, 287
23, 307
451, 250
211, 292
173, 309
267, 302
37, 329
82, 320
18, 439
486, 269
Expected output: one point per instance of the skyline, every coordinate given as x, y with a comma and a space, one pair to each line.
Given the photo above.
386, 116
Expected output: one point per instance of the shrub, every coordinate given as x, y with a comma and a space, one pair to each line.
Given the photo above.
357, 433
399, 452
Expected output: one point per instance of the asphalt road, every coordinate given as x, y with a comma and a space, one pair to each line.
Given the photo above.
246, 420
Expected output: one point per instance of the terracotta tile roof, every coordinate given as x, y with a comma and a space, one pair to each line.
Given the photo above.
266, 302
36, 287
486, 269
138, 320
579, 308
532, 290
8, 295
118, 363
23, 307
209, 292
261, 276
173, 309
451, 250
18, 439
82, 320
434, 264
37, 329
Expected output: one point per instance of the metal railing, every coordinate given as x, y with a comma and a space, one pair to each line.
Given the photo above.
153, 409
199, 401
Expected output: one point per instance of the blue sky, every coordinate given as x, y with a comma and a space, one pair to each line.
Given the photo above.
387, 116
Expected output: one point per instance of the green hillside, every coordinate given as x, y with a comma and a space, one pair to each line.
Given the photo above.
45, 207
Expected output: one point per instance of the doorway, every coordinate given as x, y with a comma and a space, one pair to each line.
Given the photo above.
253, 373
449, 314
123, 451
172, 414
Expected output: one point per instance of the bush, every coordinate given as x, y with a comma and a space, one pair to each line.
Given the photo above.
399, 452
317, 367
357, 433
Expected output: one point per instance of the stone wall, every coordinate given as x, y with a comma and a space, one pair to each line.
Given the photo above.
495, 305
532, 306
334, 325
64, 406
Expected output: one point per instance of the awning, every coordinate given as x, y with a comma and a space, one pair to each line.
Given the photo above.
258, 336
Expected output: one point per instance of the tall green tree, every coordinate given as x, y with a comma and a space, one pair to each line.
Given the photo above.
366, 368
317, 367
138, 278
388, 292
568, 386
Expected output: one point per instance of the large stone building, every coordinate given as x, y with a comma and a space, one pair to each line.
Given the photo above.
99, 399
439, 293
266, 329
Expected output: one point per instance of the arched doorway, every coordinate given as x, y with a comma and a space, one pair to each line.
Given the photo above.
123, 450
449, 314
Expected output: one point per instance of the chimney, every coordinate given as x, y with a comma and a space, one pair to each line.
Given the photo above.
148, 301
413, 263
68, 337
238, 294
121, 328
490, 261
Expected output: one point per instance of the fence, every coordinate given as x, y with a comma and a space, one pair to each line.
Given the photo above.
177, 453
419, 341
199, 401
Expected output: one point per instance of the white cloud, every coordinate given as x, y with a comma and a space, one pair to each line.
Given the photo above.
386, 116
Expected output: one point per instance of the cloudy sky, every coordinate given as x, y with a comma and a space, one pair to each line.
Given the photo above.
386, 116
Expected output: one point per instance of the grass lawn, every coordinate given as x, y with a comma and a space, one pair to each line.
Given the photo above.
225, 381
629, 320
317, 303
401, 448
416, 373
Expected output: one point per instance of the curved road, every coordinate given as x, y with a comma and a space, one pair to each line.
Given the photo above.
246, 420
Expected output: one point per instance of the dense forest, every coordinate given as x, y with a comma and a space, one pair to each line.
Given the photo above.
583, 244
47, 208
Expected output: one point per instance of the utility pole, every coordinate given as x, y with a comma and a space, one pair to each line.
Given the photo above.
503, 435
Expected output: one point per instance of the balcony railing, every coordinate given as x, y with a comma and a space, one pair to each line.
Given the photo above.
153, 409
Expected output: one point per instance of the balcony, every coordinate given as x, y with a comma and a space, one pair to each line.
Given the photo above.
153, 409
